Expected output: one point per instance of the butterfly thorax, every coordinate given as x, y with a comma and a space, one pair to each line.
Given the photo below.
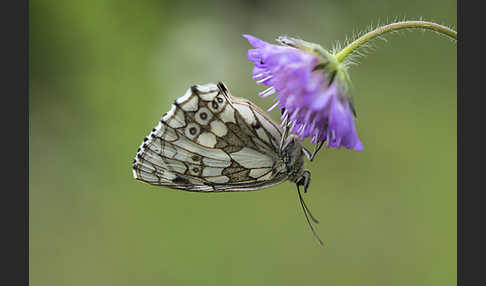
293, 157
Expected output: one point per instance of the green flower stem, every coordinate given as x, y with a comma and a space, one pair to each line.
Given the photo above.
356, 44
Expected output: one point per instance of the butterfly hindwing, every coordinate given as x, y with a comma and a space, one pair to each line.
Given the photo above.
210, 141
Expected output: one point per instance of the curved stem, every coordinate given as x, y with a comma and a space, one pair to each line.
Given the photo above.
356, 44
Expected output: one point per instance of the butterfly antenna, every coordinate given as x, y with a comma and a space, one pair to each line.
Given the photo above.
305, 209
313, 218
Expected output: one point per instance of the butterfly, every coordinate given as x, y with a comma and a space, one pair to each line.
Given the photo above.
211, 141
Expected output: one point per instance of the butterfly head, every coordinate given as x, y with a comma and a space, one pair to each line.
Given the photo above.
304, 180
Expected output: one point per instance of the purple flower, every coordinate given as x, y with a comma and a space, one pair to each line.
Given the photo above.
312, 98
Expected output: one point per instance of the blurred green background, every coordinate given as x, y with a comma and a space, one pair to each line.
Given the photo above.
103, 72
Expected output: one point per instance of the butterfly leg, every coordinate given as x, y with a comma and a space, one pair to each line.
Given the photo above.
306, 152
317, 147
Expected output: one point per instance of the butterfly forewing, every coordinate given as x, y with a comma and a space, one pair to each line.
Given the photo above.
210, 141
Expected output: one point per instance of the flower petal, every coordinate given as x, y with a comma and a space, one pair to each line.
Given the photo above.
255, 42
318, 110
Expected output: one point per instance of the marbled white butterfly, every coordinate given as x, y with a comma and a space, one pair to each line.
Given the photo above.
211, 141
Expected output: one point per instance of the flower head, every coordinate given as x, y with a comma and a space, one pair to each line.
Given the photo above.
311, 91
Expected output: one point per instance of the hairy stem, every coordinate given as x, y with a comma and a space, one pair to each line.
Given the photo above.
356, 44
